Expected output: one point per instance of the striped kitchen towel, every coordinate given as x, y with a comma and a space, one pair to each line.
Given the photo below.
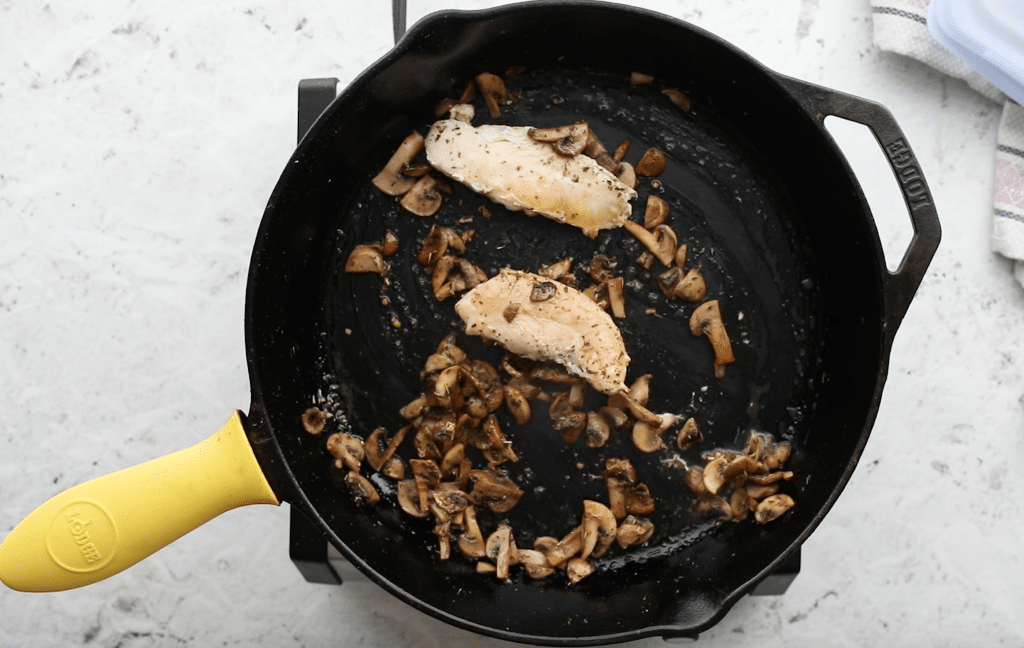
901, 26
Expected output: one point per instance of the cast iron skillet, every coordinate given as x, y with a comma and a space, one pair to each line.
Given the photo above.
773, 216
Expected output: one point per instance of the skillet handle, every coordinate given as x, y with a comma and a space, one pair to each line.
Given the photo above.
900, 285
103, 526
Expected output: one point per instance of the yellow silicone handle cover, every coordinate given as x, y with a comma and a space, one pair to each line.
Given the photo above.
97, 529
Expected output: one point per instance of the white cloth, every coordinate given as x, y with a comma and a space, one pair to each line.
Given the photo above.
901, 26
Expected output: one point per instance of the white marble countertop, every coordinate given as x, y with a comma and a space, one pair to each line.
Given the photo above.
139, 142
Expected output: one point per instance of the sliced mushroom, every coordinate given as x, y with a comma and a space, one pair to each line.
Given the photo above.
566, 140
647, 437
738, 504
361, 487
565, 420
634, 531
689, 287
714, 474
681, 252
501, 549
652, 163
390, 180
598, 529
620, 151
577, 569
393, 468
390, 244
772, 507
375, 448
616, 297
597, 431
517, 405
677, 97
346, 450
639, 500
661, 243
627, 174
707, 320
535, 563
559, 271
695, 480
707, 505
640, 391
615, 416
619, 475
570, 545
602, 268
314, 420
495, 94
500, 449
655, 212
494, 489
596, 150
471, 540
423, 199
639, 78
409, 499
436, 244
689, 435
366, 258
452, 460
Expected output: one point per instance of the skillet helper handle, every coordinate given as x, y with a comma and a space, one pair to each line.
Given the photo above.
900, 285
101, 527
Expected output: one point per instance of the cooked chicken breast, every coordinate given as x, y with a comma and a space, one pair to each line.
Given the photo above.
541, 319
506, 165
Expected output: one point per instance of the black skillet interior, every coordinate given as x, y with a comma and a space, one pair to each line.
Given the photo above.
772, 217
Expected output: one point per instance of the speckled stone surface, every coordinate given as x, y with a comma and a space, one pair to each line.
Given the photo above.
139, 142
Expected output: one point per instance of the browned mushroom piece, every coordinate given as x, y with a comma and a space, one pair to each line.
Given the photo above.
598, 431
616, 296
655, 212
602, 268
620, 151
375, 448
652, 163
689, 435
393, 468
423, 199
640, 391
707, 320
570, 545
389, 246
615, 416
689, 286
485, 380
409, 499
772, 507
619, 475
517, 404
346, 449
681, 252
314, 420
776, 455
559, 271
661, 242
707, 505
566, 420
501, 549
566, 140
452, 460
647, 437
416, 169
390, 179
542, 291
361, 487
493, 488
414, 408
738, 504
633, 531
535, 563
366, 258
760, 491
695, 480
639, 78
627, 174
436, 244
471, 540
483, 567
714, 474
453, 275
577, 569
494, 92
598, 529
639, 500
500, 449
678, 97
596, 150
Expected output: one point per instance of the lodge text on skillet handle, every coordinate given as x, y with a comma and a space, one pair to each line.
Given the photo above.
900, 285
101, 527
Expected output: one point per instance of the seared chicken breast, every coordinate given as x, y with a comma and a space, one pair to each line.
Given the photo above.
541, 319
505, 164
